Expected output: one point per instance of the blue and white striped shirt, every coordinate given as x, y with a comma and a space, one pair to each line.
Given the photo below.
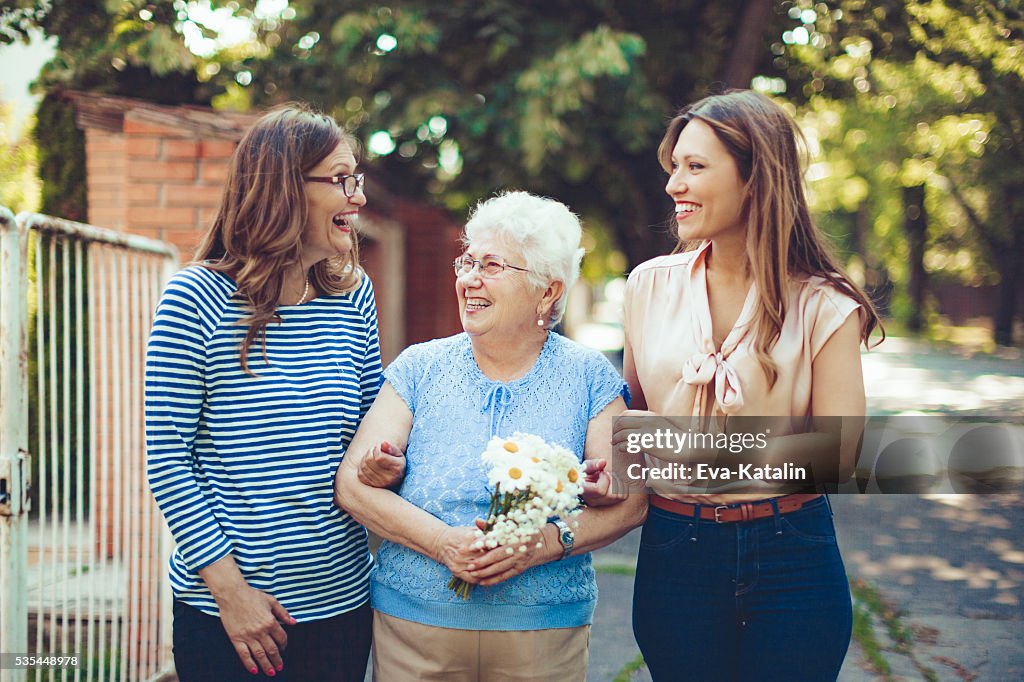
245, 465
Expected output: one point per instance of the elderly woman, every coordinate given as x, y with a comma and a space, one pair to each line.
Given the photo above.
528, 617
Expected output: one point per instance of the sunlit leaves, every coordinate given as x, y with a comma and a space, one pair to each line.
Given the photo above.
19, 180
563, 82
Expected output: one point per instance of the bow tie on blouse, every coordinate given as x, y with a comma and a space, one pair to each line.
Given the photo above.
701, 368
496, 401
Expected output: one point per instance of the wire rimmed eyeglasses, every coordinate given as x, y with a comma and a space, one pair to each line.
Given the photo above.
349, 184
490, 266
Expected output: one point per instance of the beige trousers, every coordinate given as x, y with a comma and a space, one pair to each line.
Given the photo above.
404, 651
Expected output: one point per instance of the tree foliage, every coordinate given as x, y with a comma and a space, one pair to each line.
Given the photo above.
19, 186
123, 48
928, 94
569, 99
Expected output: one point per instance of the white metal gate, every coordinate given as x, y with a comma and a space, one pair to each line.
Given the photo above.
82, 546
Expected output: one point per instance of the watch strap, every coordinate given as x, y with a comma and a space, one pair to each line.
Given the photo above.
564, 532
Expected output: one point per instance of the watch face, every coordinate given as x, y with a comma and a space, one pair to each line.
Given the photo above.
566, 537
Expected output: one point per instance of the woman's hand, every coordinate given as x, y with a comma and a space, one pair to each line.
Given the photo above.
499, 564
456, 548
252, 620
383, 467
599, 488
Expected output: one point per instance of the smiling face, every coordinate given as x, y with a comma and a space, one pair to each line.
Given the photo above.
505, 306
330, 215
706, 185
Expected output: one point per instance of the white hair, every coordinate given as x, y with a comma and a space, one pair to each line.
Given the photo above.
543, 230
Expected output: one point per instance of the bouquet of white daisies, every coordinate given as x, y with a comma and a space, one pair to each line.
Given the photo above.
533, 481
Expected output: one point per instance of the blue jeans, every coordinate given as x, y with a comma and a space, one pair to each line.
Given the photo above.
753, 600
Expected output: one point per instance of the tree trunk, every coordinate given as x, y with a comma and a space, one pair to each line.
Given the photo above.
748, 47
915, 226
1006, 303
1008, 260
643, 220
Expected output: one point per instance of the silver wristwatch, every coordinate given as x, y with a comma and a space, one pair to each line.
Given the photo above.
565, 536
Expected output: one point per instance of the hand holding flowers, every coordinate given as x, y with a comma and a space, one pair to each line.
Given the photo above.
456, 547
533, 481
498, 565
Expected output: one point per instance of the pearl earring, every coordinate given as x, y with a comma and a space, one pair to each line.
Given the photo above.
540, 322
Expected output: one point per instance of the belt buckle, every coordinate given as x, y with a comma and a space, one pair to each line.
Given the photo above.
718, 512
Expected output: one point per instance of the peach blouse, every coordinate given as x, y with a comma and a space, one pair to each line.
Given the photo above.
668, 330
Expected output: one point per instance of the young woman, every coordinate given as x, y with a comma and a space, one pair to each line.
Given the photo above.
751, 316
262, 360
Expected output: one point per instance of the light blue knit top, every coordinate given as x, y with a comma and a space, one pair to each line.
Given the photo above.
456, 409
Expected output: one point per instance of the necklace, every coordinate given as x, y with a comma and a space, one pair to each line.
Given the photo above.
305, 293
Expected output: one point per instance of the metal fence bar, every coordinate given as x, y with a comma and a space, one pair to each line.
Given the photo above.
134, 499
104, 411
41, 422
120, 417
14, 439
148, 592
79, 447
65, 408
93, 284
98, 587
51, 284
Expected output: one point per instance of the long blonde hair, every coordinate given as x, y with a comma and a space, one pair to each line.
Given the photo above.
782, 239
258, 231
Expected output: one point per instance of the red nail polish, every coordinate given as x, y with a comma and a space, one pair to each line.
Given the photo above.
254, 670
271, 673
280, 667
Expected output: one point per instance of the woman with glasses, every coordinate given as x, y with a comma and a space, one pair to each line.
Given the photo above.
262, 360
529, 614
751, 321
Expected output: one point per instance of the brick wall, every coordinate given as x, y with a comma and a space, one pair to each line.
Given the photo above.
106, 164
155, 181
431, 244
160, 172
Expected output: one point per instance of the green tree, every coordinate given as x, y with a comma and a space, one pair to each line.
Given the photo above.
563, 98
942, 82
129, 48
567, 99
455, 100
19, 184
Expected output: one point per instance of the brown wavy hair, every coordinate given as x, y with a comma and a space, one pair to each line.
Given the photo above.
258, 231
782, 239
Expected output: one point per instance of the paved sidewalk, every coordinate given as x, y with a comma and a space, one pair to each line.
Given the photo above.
953, 568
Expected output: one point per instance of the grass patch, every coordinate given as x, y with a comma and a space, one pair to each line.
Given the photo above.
869, 604
626, 674
864, 635
616, 569
882, 608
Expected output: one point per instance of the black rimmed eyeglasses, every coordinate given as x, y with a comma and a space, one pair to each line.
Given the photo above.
349, 184
490, 266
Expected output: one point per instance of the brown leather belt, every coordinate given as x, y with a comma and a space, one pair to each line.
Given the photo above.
745, 511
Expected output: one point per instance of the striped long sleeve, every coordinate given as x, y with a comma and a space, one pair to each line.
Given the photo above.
175, 391
244, 464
